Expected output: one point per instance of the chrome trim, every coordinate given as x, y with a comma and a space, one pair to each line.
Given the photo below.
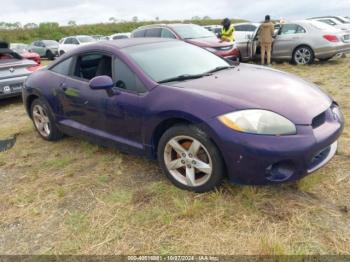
331, 154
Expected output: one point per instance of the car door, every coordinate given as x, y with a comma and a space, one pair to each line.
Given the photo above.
36, 48
81, 104
123, 112
108, 114
289, 35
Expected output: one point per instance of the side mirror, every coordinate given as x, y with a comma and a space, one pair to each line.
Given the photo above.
101, 82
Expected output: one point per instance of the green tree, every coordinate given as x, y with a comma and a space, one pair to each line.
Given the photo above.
72, 23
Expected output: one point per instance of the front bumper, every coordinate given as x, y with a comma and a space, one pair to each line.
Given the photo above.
258, 159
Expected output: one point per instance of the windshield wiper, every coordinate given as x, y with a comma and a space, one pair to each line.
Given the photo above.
219, 68
182, 78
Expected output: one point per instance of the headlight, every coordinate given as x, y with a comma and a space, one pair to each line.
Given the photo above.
260, 122
210, 49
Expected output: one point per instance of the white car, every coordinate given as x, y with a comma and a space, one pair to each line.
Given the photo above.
69, 43
333, 22
216, 29
119, 36
245, 30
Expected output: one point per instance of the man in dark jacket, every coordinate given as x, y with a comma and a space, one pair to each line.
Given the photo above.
266, 38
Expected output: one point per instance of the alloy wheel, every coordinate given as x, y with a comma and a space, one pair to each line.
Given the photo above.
188, 161
303, 56
41, 120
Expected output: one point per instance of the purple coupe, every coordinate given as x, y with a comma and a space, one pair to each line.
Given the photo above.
201, 116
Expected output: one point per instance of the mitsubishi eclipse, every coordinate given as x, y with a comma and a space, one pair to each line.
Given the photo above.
201, 116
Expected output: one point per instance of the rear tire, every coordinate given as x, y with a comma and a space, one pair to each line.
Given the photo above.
303, 55
190, 159
44, 121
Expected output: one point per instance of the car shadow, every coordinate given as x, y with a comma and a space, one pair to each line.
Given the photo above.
10, 101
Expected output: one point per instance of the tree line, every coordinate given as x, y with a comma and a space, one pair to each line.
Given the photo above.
53, 31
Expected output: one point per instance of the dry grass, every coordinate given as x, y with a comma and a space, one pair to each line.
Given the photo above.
72, 197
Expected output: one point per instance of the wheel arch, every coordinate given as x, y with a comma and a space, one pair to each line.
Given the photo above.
167, 123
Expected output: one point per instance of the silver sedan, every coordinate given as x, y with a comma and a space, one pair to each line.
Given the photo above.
13, 71
300, 42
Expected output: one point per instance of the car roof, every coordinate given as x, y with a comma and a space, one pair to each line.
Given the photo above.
162, 25
128, 42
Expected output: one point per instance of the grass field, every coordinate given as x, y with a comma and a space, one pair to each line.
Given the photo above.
72, 197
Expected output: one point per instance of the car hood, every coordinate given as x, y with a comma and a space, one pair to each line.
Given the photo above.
256, 87
208, 42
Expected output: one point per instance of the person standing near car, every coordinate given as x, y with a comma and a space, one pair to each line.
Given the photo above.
227, 31
266, 38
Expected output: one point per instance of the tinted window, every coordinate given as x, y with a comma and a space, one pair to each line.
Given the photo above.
239, 28
119, 37
63, 68
126, 79
90, 65
167, 34
140, 33
291, 29
68, 41
153, 32
251, 28
74, 41
85, 39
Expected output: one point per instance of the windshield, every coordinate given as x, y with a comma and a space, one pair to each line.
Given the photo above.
86, 39
50, 43
167, 60
192, 31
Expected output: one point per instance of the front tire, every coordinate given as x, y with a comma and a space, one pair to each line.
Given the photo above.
44, 121
190, 159
303, 55
50, 55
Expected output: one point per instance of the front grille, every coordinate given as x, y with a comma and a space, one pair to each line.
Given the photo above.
319, 120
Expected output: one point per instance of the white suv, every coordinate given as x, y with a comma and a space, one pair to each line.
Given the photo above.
71, 42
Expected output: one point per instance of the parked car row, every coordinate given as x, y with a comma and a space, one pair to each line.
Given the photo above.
300, 42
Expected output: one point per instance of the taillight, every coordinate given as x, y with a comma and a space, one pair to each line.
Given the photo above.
33, 68
331, 38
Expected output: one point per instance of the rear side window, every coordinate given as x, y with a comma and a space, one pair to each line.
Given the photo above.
90, 65
153, 32
63, 68
167, 34
140, 33
239, 28
126, 79
289, 29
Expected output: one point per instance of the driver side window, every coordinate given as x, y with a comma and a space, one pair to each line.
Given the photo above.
91, 65
127, 79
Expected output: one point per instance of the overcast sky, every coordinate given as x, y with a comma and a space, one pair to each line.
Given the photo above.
94, 11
